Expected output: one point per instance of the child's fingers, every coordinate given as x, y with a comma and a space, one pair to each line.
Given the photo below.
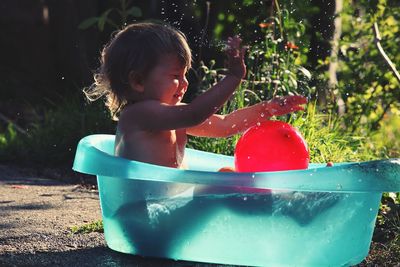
289, 109
296, 108
298, 99
230, 43
291, 100
234, 42
288, 104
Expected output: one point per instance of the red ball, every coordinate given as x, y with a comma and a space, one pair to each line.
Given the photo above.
271, 146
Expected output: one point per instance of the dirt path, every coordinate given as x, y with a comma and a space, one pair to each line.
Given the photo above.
35, 219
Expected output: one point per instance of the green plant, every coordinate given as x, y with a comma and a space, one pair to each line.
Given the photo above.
9, 142
275, 65
124, 12
366, 83
325, 139
52, 139
387, 136
96, 226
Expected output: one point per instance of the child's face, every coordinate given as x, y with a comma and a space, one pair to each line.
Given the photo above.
166, 82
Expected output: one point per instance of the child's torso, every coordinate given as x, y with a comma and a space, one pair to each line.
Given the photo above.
164, 148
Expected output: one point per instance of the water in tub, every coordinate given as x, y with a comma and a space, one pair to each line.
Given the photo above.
232, 226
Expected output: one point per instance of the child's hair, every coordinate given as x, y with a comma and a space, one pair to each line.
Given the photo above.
136, 48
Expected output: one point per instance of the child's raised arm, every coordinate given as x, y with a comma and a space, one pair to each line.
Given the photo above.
153, 115
242, 119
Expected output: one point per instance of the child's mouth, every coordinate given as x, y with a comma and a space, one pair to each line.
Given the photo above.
179, 96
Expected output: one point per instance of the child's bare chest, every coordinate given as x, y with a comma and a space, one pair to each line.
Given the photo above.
175, 140
169, 146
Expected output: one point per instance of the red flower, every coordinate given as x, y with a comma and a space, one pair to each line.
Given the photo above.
290, 45
264, 25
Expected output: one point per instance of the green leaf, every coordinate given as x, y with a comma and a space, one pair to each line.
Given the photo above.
102, 20
134, 11
293, 81
247, 2
306, 72
87, 23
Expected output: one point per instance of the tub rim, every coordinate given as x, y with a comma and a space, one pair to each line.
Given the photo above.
346, 177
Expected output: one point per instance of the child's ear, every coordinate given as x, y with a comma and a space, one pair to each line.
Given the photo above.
136, 82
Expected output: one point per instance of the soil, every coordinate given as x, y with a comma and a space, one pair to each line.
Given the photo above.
37, 211
36, 216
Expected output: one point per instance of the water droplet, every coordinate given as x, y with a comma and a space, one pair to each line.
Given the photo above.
262, 114
233, 126
339, 187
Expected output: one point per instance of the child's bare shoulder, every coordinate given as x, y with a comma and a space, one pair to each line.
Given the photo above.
138, 110
146, 109
136, 114
128, 116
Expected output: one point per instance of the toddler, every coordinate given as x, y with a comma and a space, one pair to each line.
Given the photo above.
142, 75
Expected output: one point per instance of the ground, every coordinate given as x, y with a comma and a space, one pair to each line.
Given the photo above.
36, 216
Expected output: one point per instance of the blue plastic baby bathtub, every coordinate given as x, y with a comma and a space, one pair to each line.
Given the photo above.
322, 216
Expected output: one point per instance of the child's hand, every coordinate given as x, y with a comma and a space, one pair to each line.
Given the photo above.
283, 105
235, 54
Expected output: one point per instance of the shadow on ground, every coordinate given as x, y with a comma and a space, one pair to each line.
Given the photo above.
98, 256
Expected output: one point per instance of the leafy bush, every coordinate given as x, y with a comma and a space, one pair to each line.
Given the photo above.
53, 140
366, 83
124, 12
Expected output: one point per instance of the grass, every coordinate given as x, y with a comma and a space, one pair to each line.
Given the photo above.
52, 139
96, 226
